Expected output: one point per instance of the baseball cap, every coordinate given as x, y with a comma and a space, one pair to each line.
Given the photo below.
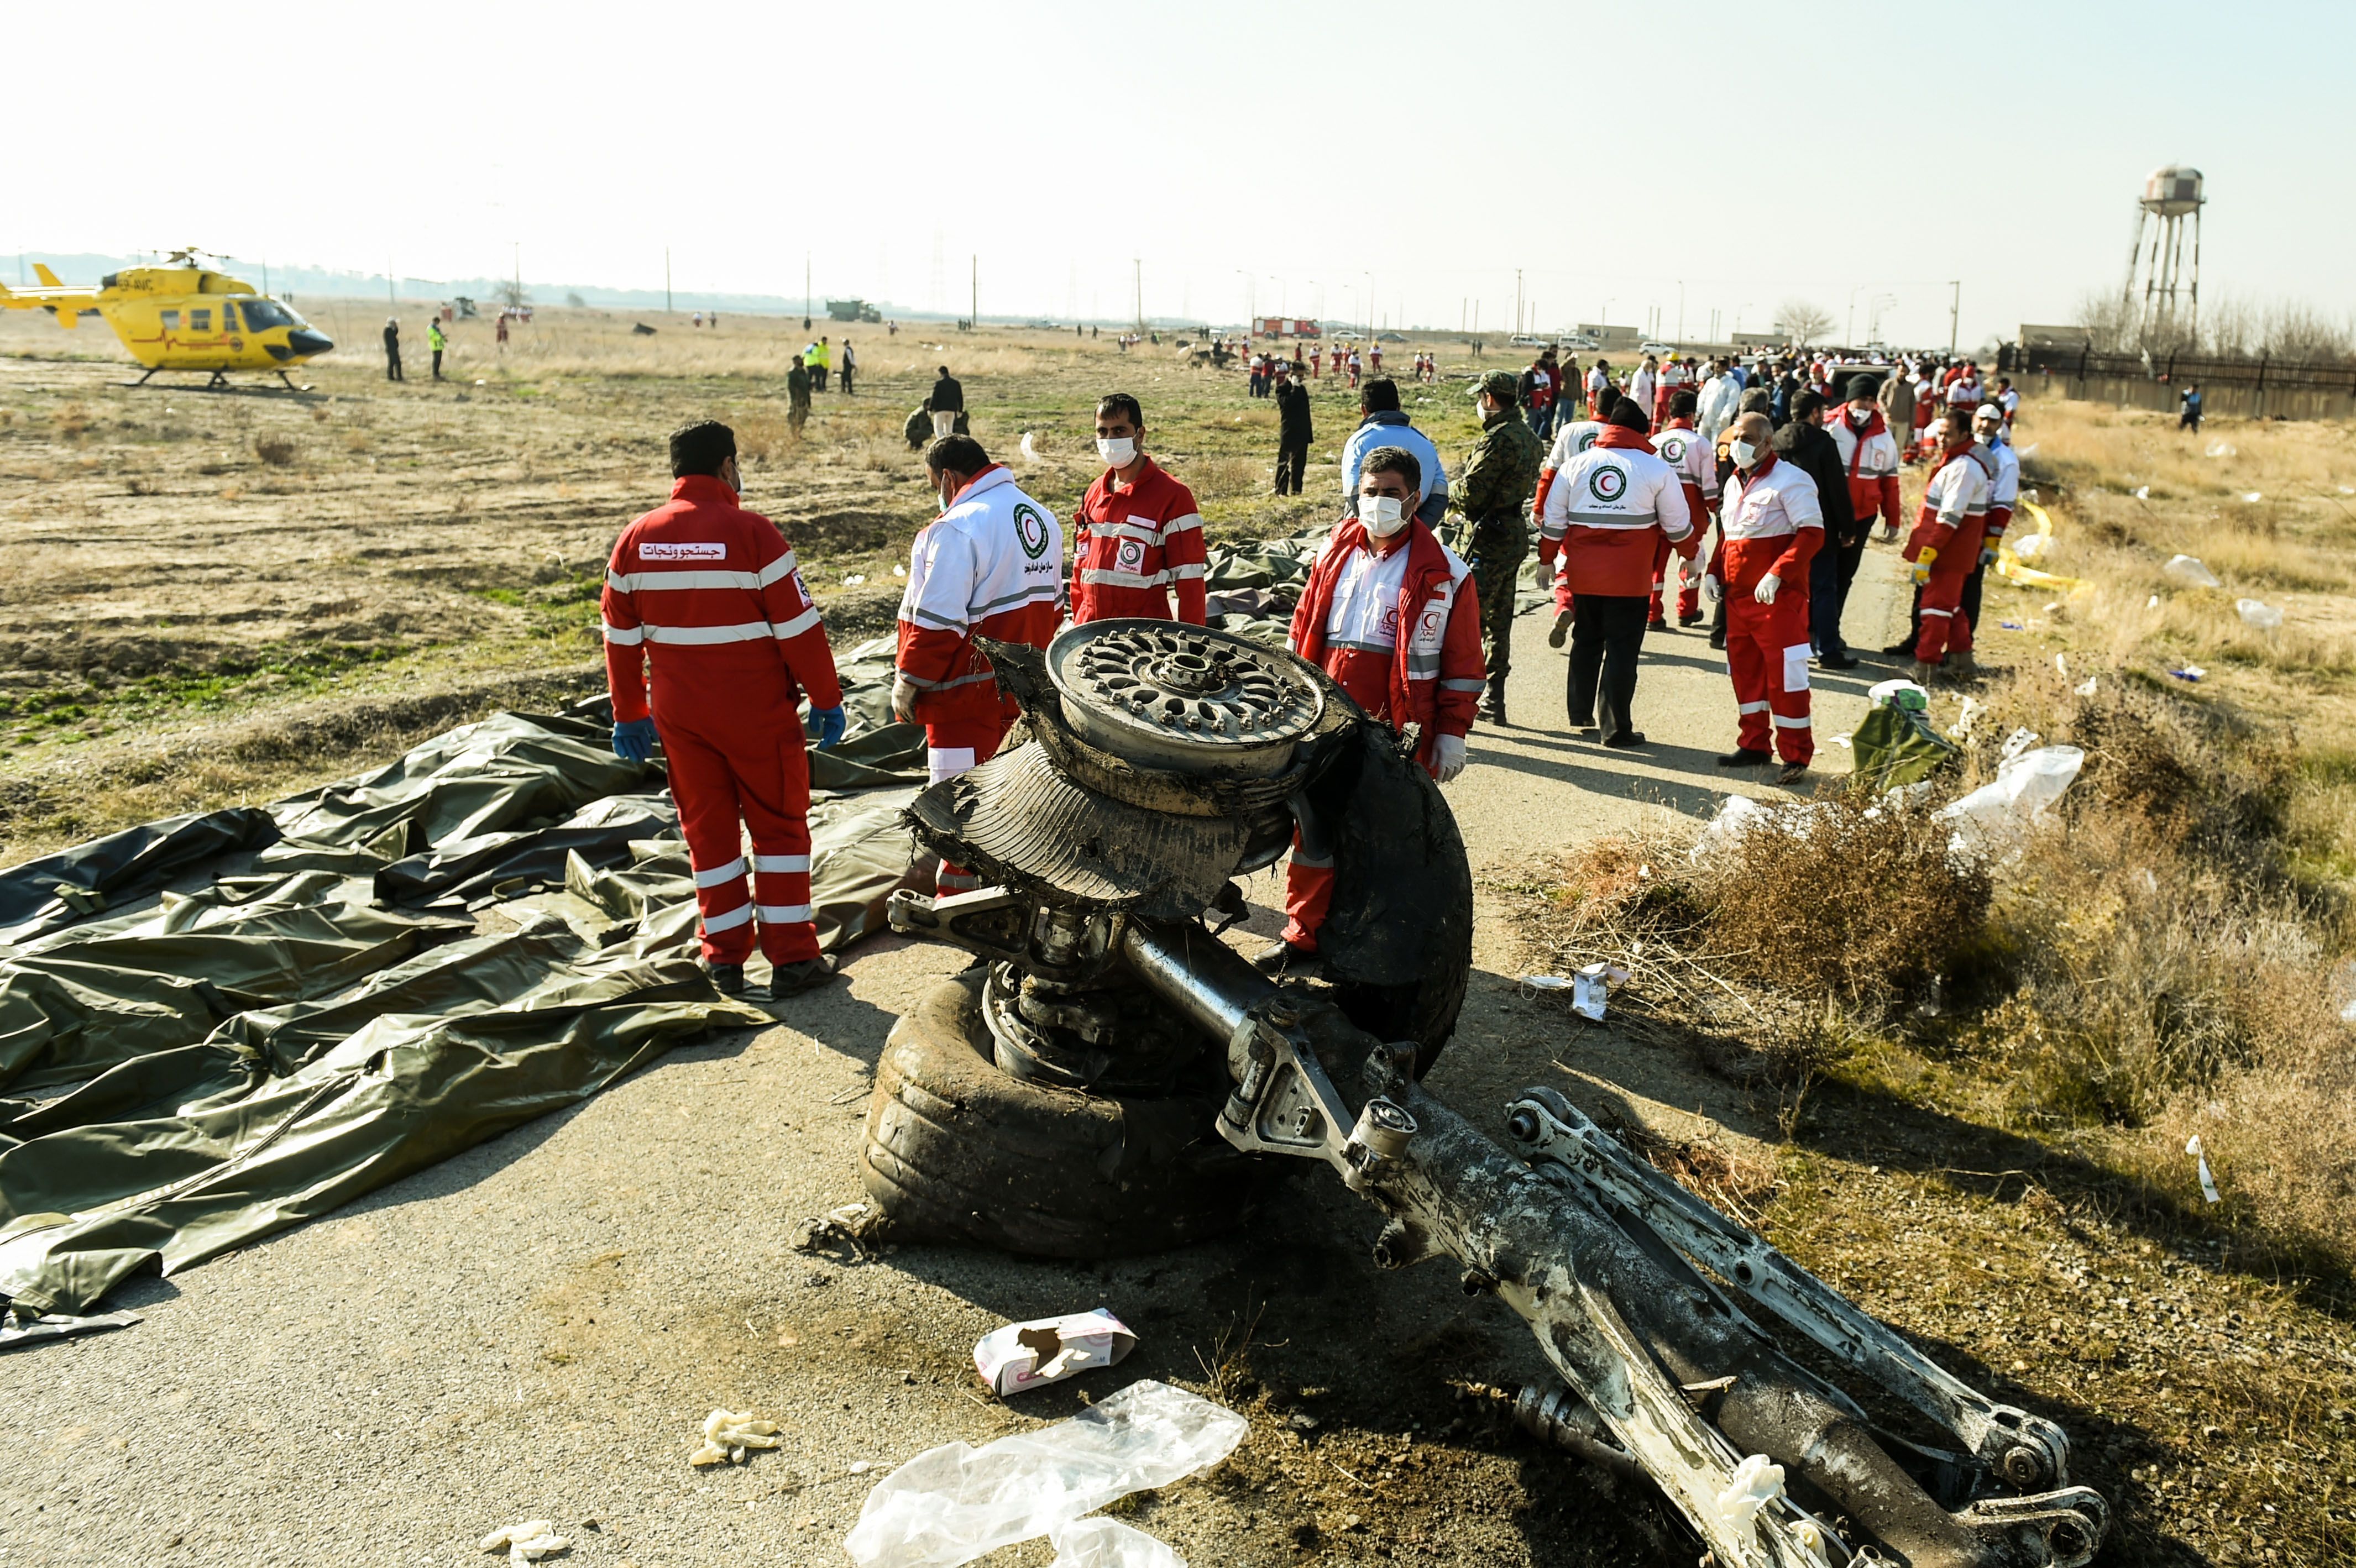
1500, 385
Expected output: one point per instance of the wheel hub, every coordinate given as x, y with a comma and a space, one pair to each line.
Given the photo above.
1188, 697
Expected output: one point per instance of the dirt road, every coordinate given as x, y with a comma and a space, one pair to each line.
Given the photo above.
536, 1329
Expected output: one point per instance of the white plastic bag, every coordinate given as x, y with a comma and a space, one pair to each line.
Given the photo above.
2259, 613
1108, 1543
2188, 569
2023, 787
2031, 546
1737, 815
952, 1504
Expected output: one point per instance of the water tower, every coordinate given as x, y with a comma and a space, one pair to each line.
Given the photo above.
2156, 276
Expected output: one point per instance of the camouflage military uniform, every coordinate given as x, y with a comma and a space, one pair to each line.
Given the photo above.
1494, 493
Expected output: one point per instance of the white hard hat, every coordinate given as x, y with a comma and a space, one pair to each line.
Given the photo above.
1988, 411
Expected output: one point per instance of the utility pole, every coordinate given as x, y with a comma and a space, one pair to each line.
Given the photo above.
1681, 313
1517, 300
1954, 313
973, 306
1138, 263
519, 272
388, 297
805, 291
666, 280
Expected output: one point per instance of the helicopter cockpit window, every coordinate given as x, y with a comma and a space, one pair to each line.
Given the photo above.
261, 314
200, 320
171, 320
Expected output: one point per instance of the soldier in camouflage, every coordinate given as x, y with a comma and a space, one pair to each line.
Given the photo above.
1493, 495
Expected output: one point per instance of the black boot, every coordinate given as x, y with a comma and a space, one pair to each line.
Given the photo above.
1493, 704
728, 979
792, 980
1743, 757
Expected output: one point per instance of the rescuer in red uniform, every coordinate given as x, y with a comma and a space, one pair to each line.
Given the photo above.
1771, 523
991, 565
1139, 537
707, 594
1392, 614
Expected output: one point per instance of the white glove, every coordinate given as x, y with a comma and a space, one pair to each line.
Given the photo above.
1712, 590
1765, 592
1447, 758
904, 699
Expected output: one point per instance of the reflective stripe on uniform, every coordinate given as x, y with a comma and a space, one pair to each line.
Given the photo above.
1751, 708
921, 684
1108, 576
751, 582
784, 914
1614, 519
743, 632
1784, 722
728, 872
729, 921
1463, 686
626, 637
799, 624
781, 862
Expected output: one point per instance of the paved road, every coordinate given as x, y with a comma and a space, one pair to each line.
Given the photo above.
535, 1330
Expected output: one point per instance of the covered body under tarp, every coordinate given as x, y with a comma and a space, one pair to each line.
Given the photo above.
222, 1025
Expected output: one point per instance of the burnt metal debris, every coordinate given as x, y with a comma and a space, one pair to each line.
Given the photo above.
1677, 1330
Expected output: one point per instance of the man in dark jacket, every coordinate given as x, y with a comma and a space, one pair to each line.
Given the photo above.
1493, 492
947, 403
1292, 435
1806, 445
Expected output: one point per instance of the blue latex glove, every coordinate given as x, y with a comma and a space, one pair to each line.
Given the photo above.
829, 721
634, 740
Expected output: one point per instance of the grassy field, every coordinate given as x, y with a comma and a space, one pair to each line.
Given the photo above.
224, 596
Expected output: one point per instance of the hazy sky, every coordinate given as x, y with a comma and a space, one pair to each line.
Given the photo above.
1838, 153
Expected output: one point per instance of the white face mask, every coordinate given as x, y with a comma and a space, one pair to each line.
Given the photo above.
1383, 514
1119, 451
1743, 453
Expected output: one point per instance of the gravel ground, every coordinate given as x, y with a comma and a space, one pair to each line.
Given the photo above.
536, 1327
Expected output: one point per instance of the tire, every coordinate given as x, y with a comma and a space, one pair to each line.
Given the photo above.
956, 1150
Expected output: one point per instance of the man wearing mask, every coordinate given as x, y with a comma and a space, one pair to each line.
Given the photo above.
991, 565
1805, 444
1945, 549
1139, 537
1491, 492
1382, 424
1292, 429
1869, 457
1682, 448
1992, 446
1770, 525
1394, 617
707, 594
1607, 514
1721, 397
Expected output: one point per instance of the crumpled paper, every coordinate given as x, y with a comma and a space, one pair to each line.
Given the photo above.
728, 1435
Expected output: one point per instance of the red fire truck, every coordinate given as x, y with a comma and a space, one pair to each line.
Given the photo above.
1286, 327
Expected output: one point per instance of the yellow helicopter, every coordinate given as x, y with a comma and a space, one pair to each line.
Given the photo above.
182, 316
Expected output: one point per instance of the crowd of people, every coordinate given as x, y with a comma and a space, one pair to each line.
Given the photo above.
1743, 494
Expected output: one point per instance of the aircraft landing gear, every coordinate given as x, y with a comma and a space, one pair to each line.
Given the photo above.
290, 383
219, 381
142, 380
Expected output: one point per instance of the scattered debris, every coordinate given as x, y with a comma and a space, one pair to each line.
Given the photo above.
527, 1542
849, 1229
1592, 988
2253, 498
1757, 1481
1904, 693
854, 580
1962, 728
2032, 547
1030, 448
2019, 740
2223, 449
2189, 569
2011, 626
2259, 613
1048, 1349
2143, 493
2024, 786
2061, 664
730, 1435
2152, 602
2208, 1182
2190, 672
952, 1504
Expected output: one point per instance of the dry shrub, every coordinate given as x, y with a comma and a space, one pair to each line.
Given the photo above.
1846, 898
1217, 478
277, 451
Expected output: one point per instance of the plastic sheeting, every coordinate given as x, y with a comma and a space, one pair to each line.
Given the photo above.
306, 1003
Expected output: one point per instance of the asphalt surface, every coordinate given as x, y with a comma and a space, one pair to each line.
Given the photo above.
538, 1328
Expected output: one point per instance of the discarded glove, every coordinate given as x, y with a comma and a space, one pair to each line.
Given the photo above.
727, 1435
634, 740
527, 1542
1447, 758
829, 721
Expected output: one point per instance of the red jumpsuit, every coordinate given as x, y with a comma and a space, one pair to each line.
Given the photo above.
993, 566
1869, 454
707, 594
1134, 547
1953, 522
1683, 449
1770, 520
1348, 623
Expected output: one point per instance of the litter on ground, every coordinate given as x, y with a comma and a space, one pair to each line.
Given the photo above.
2189, 570
2259, 613
527, 1542
2190, 672
1020, 1356
730, 1435
2209, 1193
